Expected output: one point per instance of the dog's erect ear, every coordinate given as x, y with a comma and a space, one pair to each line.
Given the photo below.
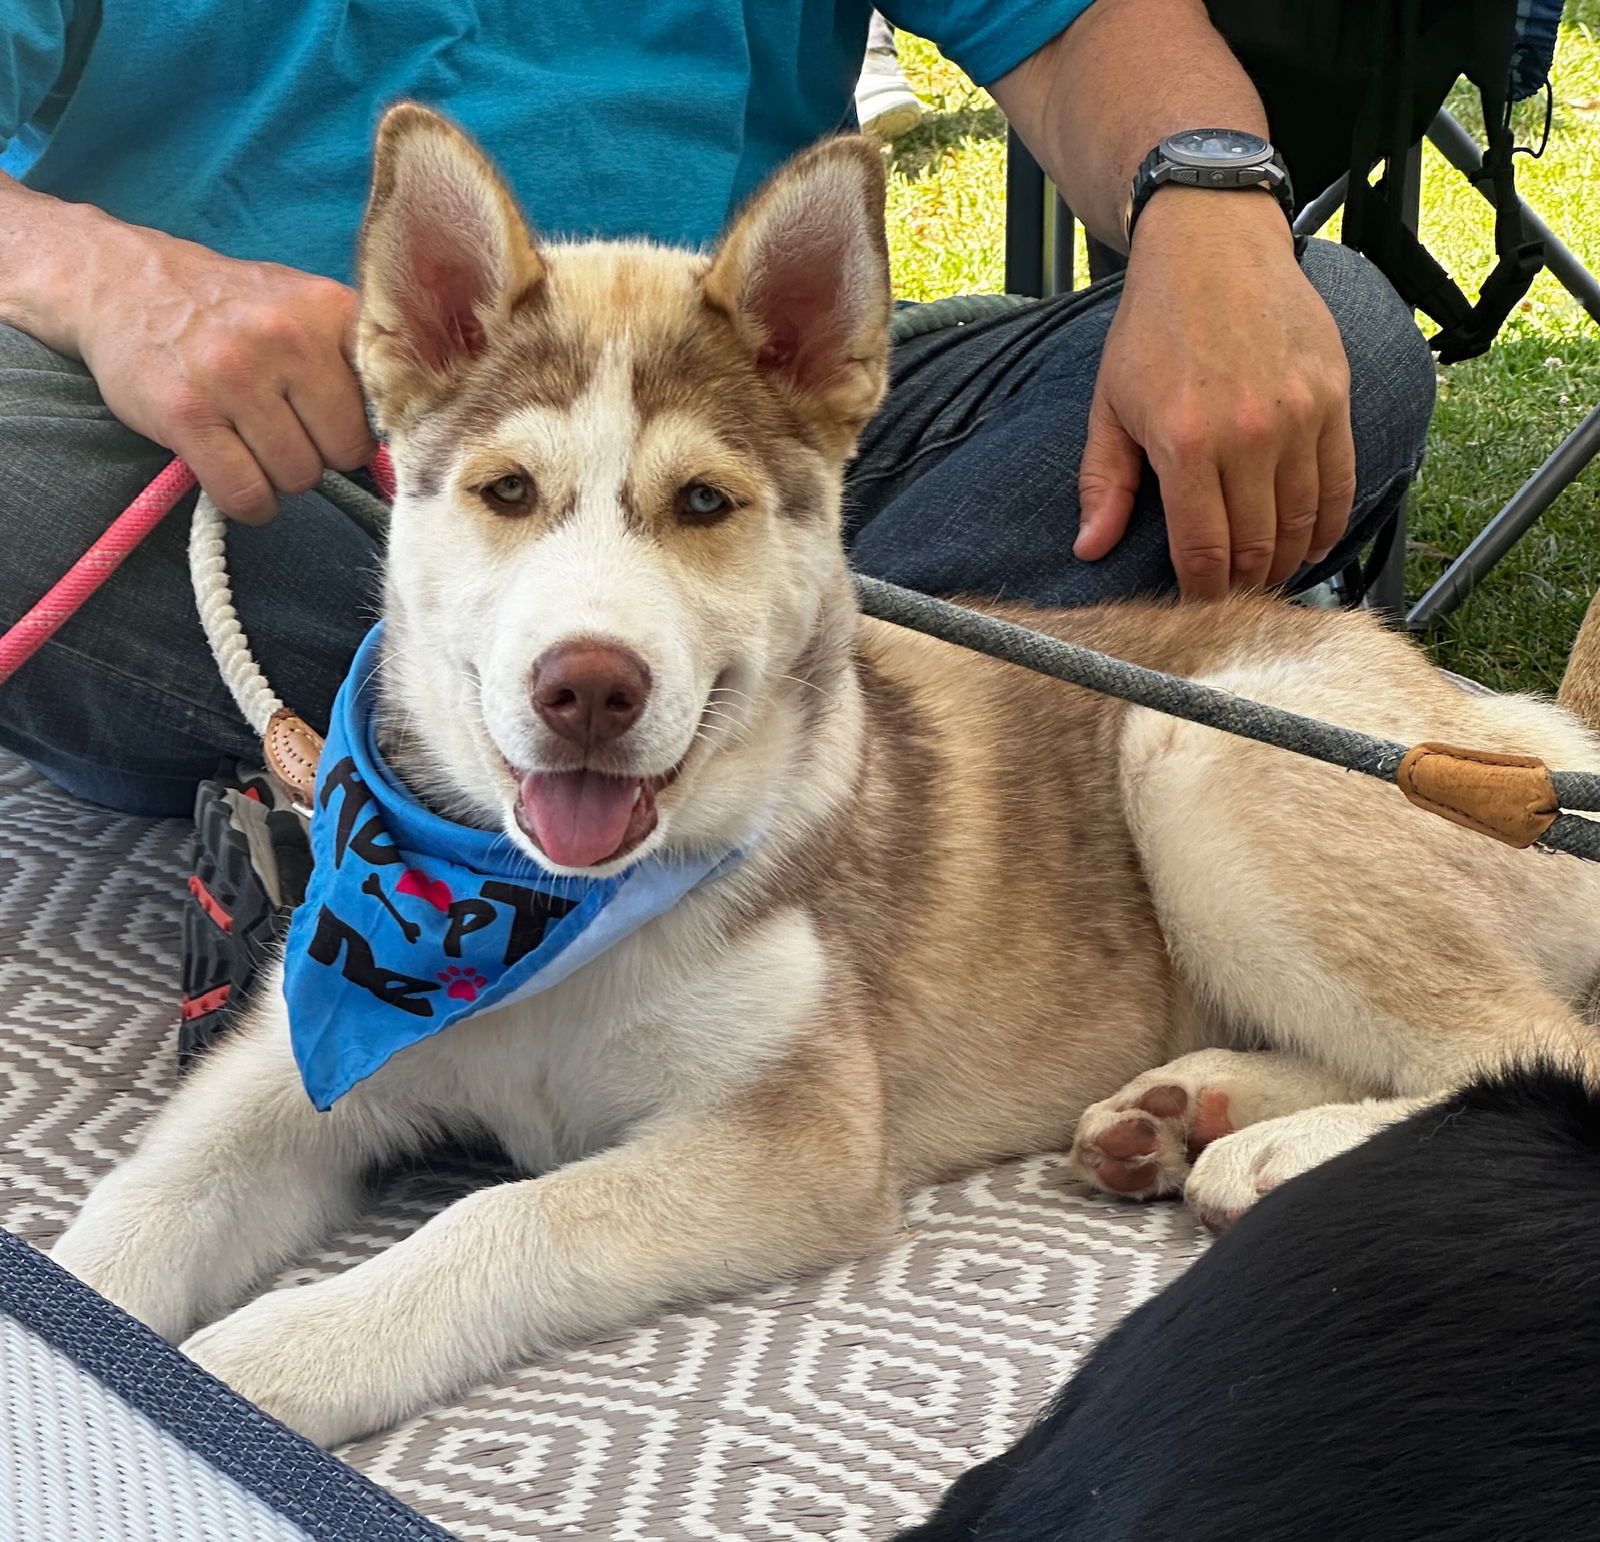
804, 273
445, 257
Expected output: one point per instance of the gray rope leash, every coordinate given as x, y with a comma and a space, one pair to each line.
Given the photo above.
371, 513
955, 310
1173, 695
1197, 703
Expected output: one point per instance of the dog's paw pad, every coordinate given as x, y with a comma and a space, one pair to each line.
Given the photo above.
1136, 1180
1213, 1118
1133, 1137
1167, 1102
1121, 1155
1142, 1142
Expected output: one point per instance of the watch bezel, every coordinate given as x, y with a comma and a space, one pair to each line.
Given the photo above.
1161, 168
1178, 156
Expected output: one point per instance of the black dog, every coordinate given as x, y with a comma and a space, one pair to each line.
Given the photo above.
1401, 1344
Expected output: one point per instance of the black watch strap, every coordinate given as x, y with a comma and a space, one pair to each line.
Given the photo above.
1156, 171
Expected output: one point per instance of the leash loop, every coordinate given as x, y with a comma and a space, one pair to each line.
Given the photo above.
291, 745
213, 590
213, 595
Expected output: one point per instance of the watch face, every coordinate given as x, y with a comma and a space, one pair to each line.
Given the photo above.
1216, 148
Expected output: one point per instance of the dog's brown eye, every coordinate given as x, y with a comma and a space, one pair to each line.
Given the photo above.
702, 504
509, 494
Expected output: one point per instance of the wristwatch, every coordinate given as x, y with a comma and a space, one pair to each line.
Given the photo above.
1226, 159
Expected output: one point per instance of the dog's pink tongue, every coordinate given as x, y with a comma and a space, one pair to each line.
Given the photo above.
579, 818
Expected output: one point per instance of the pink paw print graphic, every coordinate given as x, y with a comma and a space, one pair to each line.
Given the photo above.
462, 984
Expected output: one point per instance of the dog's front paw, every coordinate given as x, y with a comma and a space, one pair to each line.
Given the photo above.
303, 1356
1231, 1174
1142, 1142
130, 1274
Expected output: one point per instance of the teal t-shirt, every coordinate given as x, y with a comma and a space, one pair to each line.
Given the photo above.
247, 124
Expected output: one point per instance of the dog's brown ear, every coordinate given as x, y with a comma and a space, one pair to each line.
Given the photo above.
804, 273
445, 257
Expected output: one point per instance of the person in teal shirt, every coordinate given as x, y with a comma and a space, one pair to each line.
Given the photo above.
180, 188
248, 128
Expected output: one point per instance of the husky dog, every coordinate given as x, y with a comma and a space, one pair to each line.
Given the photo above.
977, 912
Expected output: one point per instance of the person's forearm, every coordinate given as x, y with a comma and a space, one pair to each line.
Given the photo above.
1095, 101
45, 249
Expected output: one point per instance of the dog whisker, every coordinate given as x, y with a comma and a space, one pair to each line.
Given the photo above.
733, 729
810, 684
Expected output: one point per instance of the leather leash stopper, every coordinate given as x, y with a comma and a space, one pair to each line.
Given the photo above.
1510, 797
293, 748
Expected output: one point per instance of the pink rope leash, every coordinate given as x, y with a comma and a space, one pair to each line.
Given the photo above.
96, 565
93, 568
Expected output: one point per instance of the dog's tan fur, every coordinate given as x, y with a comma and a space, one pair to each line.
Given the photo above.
980, 908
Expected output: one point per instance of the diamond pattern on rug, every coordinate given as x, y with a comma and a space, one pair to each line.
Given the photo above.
835, 1407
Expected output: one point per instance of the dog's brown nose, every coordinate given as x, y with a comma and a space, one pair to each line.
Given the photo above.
590, 692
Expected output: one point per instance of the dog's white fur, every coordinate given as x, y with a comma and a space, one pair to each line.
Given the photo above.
977, 903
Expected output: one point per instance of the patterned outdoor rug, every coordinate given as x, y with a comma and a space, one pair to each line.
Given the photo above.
833, 1408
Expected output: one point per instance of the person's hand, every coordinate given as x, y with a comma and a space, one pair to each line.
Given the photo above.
241, 368
1224, 367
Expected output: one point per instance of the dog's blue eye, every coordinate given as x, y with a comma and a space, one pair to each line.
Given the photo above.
700, 500
509, 494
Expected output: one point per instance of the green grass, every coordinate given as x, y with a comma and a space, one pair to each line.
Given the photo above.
1498, 416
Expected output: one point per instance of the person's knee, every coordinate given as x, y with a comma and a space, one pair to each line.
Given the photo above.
1392, 372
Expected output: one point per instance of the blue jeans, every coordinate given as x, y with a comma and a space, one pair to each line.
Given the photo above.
966, 483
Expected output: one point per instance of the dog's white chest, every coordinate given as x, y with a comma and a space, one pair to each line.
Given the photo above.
668, 1020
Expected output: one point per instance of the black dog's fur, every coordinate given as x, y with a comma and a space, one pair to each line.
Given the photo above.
1401, 1344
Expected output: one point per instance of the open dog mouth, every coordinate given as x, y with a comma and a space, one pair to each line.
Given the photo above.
583, 818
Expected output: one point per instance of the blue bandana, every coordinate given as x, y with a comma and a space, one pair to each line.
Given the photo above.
412, 923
